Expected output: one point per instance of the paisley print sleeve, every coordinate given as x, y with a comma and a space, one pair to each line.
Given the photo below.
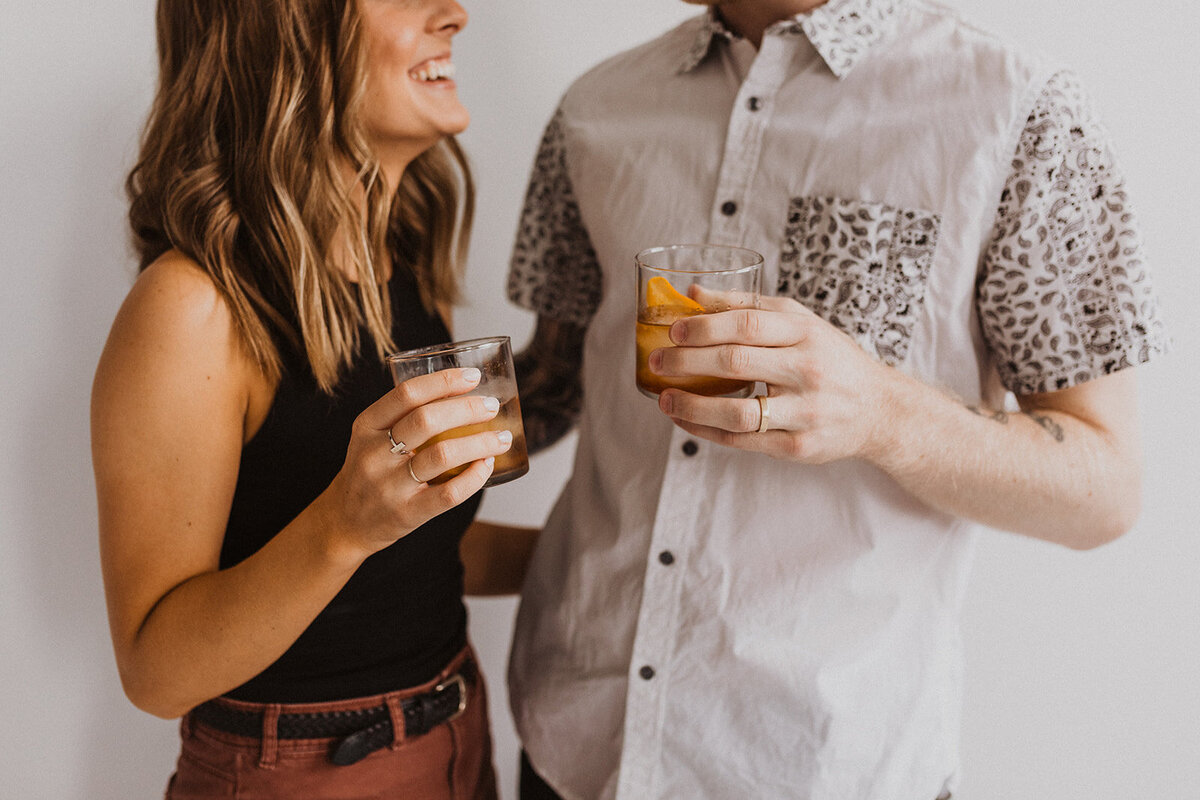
554, 270
1064, 293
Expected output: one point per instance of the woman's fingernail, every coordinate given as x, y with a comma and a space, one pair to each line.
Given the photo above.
472, 374
655, 360
679, 332
491, 462
664, 403
505, 437
491, 404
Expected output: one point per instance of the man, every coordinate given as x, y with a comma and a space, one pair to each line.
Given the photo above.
760, 598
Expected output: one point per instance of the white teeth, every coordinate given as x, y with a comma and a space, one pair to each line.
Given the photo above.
434, 70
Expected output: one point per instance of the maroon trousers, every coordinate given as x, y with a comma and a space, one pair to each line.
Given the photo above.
453, 761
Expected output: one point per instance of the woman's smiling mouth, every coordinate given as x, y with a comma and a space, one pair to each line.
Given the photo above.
434, 70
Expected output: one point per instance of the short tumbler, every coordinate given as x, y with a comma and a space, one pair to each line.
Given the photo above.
683, 280
493, 358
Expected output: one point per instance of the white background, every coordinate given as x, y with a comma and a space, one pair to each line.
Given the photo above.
1083, 669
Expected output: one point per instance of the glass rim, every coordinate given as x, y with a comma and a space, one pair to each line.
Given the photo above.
446, 348
756, 261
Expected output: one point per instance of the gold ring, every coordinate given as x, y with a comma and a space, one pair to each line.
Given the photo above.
764, 413
410, 470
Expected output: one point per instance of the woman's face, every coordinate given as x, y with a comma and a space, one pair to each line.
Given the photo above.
411, 100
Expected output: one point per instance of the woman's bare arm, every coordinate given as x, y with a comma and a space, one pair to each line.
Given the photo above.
174, 400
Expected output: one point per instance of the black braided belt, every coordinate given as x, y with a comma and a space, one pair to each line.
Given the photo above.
359, 732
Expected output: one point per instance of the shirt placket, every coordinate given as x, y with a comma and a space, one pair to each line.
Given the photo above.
678, 532
748, 123
672, 540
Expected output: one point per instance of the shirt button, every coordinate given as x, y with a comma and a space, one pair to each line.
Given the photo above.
729, 208
690, 448
754, 104
666, 558
647, 672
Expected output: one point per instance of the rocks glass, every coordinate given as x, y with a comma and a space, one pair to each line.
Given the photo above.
683, 280
493, 358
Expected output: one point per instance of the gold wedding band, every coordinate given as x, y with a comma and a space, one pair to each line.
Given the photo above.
410, 470
764, 413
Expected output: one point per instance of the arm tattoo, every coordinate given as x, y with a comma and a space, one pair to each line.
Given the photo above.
999, 415
548, 382
1051, 427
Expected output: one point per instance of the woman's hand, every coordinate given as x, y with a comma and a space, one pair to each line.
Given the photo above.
379, 495
827, 398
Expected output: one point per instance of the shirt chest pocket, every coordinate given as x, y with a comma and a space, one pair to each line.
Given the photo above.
861, 266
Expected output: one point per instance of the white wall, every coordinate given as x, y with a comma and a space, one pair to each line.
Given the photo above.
1081, 667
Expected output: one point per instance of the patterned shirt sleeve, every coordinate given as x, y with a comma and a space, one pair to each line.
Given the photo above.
554, 270
1064, 294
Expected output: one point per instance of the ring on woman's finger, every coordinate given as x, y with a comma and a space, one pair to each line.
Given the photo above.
764, 413
410, 470
399, 448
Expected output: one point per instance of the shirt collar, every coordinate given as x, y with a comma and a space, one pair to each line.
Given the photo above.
841, 31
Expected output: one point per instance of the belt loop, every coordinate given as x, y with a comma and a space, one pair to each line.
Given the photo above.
270, 736
397, 714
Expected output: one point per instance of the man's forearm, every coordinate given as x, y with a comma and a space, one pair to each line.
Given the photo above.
1054, 473
548, 381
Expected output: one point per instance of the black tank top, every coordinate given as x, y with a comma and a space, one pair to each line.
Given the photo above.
400, 617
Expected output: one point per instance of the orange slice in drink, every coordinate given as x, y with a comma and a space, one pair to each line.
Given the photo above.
661, 294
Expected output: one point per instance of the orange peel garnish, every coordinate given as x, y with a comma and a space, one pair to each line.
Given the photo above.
661, 294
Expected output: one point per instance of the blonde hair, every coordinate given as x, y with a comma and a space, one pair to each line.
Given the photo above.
242, 165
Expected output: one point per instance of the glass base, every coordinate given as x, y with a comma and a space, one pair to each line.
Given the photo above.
505, 477
746, 392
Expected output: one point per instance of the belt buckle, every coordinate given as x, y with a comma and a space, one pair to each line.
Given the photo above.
455, 679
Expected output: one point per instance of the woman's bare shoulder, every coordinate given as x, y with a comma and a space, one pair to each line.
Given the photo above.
175, 331
176, 296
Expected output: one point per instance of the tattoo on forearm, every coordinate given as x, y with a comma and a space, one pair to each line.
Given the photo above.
999, 415
1051, 427
1047, 423
548, 382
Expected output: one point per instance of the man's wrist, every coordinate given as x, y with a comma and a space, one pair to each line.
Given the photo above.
900, 407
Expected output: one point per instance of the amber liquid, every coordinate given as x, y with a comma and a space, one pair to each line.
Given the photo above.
512, 463
653, 332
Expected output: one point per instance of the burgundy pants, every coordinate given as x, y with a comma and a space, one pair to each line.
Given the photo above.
453, 761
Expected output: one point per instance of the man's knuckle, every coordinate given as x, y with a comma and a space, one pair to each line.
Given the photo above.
748, 417
748, 324
812, 374
735, 360
795, 447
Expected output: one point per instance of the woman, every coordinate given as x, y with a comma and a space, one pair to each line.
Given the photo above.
277, 570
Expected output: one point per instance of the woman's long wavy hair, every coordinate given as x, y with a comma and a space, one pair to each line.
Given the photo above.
243, 169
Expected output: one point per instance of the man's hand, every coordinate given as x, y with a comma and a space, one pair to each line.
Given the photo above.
827, 397
1067, 469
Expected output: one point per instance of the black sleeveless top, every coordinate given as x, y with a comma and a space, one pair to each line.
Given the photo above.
400, 617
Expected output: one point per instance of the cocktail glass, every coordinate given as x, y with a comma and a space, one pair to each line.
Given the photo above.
493, 357
684, 280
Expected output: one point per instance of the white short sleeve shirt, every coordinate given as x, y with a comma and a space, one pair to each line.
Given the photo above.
702, 622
